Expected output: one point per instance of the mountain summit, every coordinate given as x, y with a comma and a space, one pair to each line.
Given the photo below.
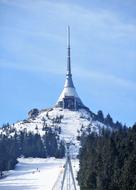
69, 117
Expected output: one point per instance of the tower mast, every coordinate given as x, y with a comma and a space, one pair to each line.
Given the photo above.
68, 58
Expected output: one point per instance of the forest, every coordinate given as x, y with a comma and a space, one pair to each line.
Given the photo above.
108, 160
28, 144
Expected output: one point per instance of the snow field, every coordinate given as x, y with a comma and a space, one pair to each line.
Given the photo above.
35, 174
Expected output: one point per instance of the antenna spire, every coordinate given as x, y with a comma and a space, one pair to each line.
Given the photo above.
69, 58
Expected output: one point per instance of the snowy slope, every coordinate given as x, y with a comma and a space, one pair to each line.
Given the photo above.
35, 174
71, 122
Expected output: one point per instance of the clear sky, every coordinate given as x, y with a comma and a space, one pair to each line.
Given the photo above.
33, 39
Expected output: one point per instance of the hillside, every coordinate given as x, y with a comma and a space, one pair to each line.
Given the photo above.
66, 124
70, 122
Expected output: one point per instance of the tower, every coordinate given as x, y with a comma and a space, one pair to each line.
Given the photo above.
69, 98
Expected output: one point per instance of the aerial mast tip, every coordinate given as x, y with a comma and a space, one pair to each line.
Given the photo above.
68, 36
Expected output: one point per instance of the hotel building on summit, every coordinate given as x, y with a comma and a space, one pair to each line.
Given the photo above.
69, 98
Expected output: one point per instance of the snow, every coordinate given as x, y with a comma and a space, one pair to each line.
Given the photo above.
35, 174
30, 125
71, 122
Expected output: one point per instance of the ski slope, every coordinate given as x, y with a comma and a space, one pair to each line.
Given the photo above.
35, 174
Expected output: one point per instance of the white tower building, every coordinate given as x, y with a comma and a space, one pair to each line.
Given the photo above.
69, 98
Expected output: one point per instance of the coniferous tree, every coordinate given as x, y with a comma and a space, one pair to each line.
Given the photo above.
100, 116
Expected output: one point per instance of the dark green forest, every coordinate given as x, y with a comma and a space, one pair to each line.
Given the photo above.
108, 160
27, 144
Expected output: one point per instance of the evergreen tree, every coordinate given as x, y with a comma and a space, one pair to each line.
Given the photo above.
100, 116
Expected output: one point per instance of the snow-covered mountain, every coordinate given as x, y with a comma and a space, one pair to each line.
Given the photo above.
66, 123
69, 123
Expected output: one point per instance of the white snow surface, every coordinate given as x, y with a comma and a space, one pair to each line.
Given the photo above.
35, 174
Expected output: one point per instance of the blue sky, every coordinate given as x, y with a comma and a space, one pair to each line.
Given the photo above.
33, 55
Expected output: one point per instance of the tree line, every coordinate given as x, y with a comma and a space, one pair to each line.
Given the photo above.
28, 144
108, 160
107, 120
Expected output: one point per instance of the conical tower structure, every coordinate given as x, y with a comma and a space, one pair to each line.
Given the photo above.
69, 98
